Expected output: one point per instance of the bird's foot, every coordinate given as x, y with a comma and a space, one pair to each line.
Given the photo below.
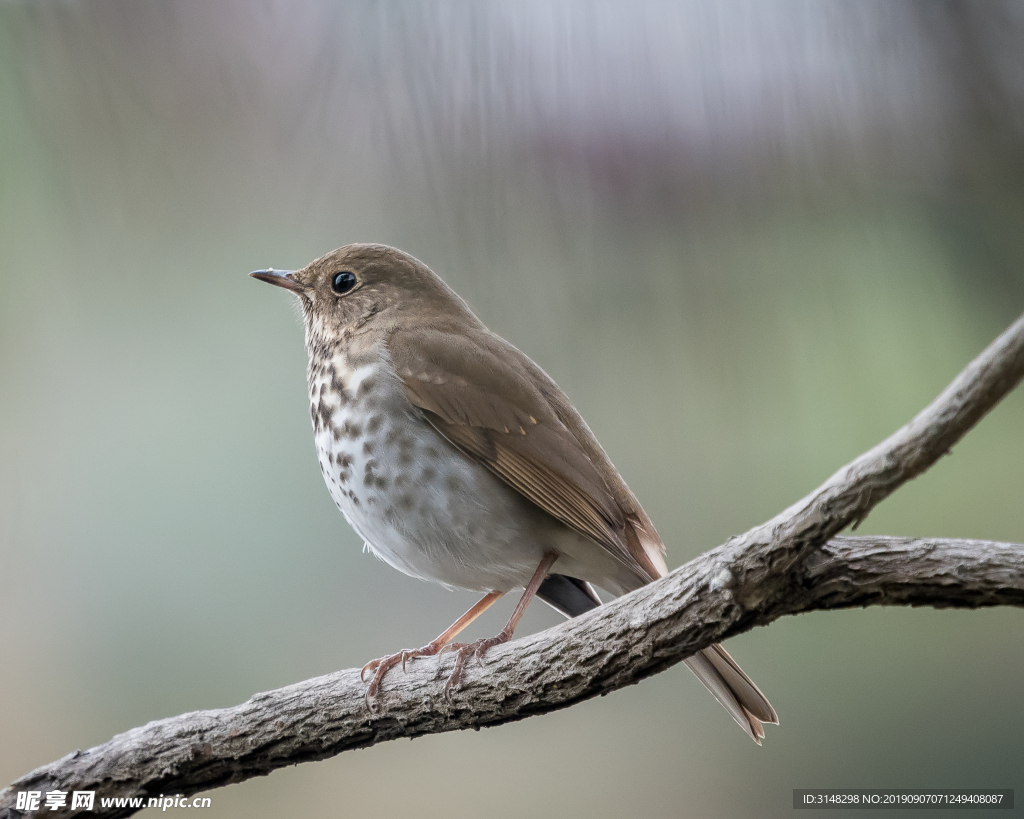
382, 665
463, 651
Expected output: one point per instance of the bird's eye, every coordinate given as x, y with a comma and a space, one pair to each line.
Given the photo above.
343, 282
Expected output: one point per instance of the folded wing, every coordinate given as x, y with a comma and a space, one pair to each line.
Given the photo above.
498, 407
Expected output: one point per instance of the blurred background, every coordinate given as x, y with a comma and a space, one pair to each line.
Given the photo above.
748, 238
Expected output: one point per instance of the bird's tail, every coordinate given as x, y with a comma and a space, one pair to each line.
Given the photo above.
713, 666
744, 701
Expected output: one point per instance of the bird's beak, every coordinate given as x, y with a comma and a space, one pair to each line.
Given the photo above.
282, 278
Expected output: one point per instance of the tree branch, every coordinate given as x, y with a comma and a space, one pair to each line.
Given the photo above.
790, 564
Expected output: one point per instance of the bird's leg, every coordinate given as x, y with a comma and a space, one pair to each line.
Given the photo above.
478, 649
381, 666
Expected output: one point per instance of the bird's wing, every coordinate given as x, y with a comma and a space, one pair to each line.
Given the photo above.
498, 407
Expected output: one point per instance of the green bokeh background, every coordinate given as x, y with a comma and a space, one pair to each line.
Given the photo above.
748, 239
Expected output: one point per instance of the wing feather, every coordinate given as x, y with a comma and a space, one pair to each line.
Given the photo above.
489, 400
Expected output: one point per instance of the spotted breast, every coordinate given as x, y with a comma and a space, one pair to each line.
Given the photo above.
418, 504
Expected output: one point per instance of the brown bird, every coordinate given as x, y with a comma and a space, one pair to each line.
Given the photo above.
457, 459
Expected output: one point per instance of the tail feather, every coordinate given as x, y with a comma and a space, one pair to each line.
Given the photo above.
713, 666
733, 689
568, 595
747, 692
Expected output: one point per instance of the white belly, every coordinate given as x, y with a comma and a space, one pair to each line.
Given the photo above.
418, 503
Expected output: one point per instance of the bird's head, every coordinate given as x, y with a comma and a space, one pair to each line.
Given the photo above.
362, 283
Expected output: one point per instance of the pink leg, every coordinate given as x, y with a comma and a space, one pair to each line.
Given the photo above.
479, 648
381, 666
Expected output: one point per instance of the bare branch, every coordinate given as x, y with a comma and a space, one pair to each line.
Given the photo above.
611, 647
790, 564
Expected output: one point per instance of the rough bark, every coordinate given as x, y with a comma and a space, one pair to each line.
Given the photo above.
790, 564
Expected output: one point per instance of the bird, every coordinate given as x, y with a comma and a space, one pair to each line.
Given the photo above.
458, 460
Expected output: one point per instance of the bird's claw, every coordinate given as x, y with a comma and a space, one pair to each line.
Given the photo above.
463, 651
382, 665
